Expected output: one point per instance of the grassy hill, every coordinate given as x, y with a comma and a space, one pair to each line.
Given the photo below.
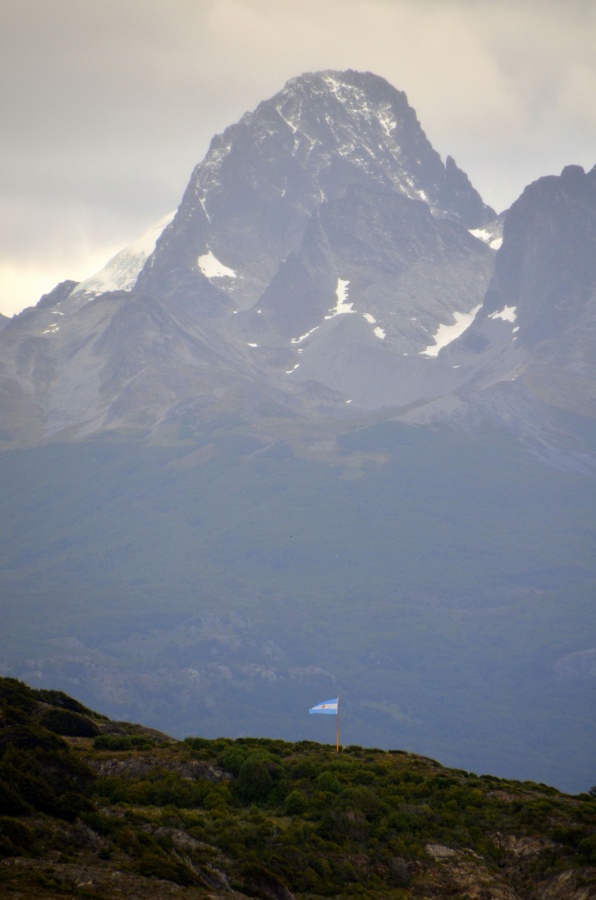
94, 808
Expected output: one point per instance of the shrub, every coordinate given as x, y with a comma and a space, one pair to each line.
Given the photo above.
70, 805
232, 759
340, 824
587, 851
25, 737
59, 698
260, 882
71, 724
11, 802
155, 865
14, 837
122, 742
254, 780
295, 803
327, 781
16, 694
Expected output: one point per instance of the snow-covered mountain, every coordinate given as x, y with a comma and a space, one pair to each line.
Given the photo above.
122, 270
322, 260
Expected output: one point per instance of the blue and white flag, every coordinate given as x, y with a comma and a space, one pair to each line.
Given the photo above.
329, 707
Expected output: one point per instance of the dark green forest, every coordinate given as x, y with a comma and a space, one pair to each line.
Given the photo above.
443, 582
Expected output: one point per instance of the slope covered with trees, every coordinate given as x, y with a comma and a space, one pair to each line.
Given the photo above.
95, 808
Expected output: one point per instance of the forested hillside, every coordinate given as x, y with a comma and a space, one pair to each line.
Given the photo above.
95, 808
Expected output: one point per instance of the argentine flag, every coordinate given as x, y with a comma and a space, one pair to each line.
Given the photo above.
329, 707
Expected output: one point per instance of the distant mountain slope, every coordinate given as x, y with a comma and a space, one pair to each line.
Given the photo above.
357, 311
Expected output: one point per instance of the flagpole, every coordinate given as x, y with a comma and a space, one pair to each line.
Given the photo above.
337, 728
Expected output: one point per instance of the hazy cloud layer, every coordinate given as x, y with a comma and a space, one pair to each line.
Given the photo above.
106, 107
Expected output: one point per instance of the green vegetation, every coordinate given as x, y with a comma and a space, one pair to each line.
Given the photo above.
38, 772
268, 818
437, 580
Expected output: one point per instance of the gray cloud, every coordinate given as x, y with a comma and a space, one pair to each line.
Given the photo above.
107, 107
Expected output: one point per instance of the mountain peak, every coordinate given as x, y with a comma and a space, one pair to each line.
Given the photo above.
370, 125
250, 200
347, 85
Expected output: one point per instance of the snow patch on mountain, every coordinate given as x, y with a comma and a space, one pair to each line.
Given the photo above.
204, 208
303, 337
491, 234
211, 267
445, 334
122, 270
342, 307
507, 314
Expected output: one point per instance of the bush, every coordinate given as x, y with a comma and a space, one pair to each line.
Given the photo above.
327, 781
25, 737
71, 724
14, 837
155, 865
295, 803
70, 805
587, 851
122, 742
11, 802
260, 882
343, 824
16, 694
254, 780
232, 759
59, 698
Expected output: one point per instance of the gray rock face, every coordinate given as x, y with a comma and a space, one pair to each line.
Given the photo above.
532, 343
547, 264
250, 200
356, 309
60, 293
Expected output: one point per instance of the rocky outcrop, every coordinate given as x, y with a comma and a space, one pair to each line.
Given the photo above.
137, 767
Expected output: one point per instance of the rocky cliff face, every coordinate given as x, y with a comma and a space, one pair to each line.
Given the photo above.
531, 345
249, 202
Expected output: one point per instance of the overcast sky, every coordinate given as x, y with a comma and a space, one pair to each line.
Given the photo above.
107, 106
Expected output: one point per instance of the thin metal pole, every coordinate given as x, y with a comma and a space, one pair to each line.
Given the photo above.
337, 728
